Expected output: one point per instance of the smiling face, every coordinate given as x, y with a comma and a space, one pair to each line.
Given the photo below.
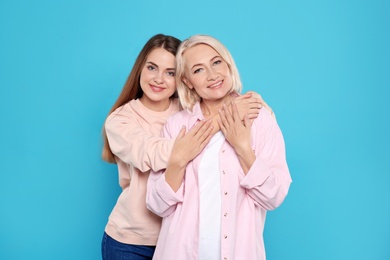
207, 73
158, 79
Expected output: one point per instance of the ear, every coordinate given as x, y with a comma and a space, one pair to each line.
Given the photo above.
187, 82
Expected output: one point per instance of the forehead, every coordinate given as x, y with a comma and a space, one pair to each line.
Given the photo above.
200, 53
162, 57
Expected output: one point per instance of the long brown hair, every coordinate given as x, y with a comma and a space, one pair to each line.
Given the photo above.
132, 88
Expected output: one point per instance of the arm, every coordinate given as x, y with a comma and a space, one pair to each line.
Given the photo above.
238, 134
133, 145
185, 149
267, 177
268, 180
160, 198
248, 104
165, 189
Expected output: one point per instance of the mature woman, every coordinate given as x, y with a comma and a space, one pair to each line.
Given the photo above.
214, 206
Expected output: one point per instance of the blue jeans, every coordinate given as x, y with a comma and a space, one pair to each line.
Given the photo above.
114, 250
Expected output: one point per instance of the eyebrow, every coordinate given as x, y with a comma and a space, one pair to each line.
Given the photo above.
151, 62
154, 64
200, 64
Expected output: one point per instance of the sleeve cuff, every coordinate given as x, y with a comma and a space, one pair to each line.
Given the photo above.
167, 194
256, 176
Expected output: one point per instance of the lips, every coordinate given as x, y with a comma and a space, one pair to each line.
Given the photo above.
216, 85
156, 88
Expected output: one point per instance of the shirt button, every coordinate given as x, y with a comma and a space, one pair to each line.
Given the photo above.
226, 193
225, 214
225, 258
223, 151
225, 236
223, 172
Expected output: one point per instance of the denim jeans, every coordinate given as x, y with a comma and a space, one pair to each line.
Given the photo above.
114, 250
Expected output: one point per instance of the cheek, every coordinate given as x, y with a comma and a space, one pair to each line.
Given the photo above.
145, 74
194, 82
171, 81
225, 70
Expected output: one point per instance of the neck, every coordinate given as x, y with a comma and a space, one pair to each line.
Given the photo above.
156, 106
211, 107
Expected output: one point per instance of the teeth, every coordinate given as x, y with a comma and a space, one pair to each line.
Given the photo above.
216, 84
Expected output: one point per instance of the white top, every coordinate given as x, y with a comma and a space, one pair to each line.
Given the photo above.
210, 200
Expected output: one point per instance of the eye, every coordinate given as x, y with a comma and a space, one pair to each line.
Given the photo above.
171, 73
217, 62
197, 70
150, 67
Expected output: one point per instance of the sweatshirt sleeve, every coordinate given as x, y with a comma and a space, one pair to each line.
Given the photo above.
160, 198
268, 180
133, 145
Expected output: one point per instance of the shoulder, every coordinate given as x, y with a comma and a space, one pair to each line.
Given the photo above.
175, 122
182, 118
178, 117
265, 121
266, 115
122, 114
122, 110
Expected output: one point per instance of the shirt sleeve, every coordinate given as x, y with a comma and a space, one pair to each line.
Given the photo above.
268, 180
133, 145
160, 198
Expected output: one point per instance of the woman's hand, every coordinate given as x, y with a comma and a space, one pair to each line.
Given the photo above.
238, 134
186, 148
250, 104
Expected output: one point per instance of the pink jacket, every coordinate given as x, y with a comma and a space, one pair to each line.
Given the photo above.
245, 198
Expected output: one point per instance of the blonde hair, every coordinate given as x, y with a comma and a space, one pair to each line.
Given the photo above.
188, 97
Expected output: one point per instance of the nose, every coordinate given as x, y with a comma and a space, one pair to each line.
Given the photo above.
158, 79
212, 75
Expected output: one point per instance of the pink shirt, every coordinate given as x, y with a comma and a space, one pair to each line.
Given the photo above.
134, 136
245, 198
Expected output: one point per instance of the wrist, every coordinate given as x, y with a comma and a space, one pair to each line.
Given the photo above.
177, 163
243, 150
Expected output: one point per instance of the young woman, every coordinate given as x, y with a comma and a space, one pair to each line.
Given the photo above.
132, 141
214, 206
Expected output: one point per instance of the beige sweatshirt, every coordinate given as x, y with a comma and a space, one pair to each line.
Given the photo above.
133, 132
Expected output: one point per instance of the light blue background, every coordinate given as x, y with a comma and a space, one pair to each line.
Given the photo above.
323, 66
